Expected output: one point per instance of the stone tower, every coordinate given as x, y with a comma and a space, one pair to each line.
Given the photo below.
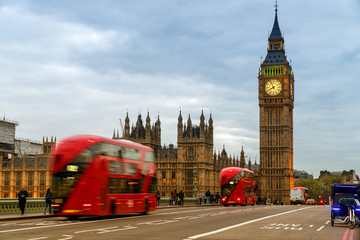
48, 144
276, 102
149, 135
242, 158
195, 150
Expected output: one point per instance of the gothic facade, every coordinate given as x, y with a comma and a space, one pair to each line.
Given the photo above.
276, 102
30, 171
192, 166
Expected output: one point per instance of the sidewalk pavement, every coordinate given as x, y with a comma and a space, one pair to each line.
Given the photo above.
9, 217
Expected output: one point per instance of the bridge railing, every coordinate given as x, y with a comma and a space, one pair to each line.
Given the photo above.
37, 205
11, 205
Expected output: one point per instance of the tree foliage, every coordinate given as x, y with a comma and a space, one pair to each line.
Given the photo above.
319, 189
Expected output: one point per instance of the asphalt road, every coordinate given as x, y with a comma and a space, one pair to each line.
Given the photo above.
212, 222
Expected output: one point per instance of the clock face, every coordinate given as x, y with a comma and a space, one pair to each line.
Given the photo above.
273, 87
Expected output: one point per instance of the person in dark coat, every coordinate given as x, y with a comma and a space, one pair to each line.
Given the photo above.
23, 194
207, 194
181, 197
158, 197
48, 200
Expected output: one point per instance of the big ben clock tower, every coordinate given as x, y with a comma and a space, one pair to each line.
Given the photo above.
276, 103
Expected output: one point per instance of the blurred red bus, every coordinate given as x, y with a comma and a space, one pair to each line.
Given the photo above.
237, 186
99, 176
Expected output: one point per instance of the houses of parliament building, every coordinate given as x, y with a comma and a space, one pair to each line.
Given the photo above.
192, 163
191, 166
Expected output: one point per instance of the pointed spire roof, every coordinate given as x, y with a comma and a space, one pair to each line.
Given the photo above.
276, 55
275, 32
180, 118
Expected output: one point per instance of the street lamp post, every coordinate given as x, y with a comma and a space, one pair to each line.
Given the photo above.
195, 175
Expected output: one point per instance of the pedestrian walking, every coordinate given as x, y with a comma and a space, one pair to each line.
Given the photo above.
181, 198
23, 194
200, 196
171, 200
175, 197
158, 197
207, 194
48, 200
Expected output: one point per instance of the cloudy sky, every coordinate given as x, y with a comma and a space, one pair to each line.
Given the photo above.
76, 67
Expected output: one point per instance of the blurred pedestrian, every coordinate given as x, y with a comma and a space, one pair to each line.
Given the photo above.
181, 198
207, 194
200, 196
175, 196
171, 200
158, 197
48, 200
23, 194
217, 198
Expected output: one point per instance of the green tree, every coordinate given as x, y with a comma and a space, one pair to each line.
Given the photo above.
327, 182
313, 185
320, 189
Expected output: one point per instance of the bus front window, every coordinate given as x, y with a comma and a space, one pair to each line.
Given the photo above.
229, 187
65, 180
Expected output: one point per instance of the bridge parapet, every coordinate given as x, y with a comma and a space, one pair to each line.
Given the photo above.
11, 205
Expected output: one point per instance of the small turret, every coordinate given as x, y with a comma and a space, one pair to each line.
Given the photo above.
242, 158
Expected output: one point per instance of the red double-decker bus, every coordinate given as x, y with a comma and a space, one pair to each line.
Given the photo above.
99, 176
237, 186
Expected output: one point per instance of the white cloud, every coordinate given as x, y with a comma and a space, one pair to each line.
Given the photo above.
67, 70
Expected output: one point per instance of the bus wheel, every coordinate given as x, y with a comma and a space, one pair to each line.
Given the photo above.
146, 208
72, 217
113, 212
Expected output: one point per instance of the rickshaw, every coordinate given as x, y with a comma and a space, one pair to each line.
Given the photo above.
345, 204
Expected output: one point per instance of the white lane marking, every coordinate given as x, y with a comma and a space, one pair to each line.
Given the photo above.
38, 238
105, 220
97, 229
206, 209
311, 225
241, 224
66, 224
157, 222
66, 237
327, 222
319, 229
119, 229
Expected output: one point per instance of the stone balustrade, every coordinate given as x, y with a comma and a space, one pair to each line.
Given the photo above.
11, 205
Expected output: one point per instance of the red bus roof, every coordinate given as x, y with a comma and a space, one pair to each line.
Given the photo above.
229, 172
235, 169
74, 145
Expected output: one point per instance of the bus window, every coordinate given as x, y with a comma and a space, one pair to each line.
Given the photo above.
131, 153
117, 151
248, 191
124, 185
229, 187
122, 168
149, 157
65, 180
